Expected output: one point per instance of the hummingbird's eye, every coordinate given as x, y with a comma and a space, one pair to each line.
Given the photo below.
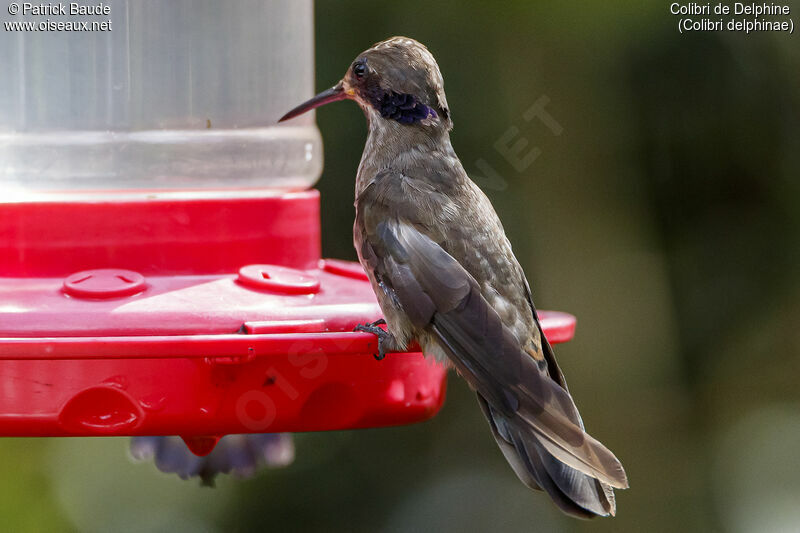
359, 69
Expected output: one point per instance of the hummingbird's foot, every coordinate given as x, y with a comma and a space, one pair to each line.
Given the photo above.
386, 341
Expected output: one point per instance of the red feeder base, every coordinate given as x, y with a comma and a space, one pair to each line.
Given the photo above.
126, 318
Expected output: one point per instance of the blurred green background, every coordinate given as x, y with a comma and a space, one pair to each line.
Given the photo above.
665, 215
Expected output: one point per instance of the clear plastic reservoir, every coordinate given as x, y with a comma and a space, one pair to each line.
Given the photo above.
172, 95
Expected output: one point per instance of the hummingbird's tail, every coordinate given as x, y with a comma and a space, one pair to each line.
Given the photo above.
574, 492
240, 455
519, 386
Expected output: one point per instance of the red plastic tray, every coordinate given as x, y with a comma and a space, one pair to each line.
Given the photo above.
301, 371
142, 318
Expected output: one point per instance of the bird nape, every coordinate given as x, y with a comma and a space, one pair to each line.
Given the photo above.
444, 274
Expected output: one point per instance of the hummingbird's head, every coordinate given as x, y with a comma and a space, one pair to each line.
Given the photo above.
395, 80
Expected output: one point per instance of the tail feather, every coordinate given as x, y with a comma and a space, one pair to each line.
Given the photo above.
573, 491
519, 463
585, 491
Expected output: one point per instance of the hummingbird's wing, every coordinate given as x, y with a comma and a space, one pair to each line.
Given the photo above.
485, 352
533, 418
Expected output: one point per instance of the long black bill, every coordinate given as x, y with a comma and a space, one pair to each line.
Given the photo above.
325, 97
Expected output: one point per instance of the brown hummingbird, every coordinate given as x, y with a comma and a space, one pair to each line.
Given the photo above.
444, 274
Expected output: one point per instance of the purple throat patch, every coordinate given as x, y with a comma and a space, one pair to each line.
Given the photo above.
404, 108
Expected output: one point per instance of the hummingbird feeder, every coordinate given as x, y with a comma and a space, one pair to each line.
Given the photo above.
160, 269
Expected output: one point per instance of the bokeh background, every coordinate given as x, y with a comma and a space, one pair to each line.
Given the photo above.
665, 215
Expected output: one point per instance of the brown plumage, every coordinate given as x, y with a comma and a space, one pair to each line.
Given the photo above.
445, 275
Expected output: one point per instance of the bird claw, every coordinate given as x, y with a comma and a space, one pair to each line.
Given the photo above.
384, 337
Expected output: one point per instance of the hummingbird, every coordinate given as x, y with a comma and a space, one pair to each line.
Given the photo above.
240, 455
445, 275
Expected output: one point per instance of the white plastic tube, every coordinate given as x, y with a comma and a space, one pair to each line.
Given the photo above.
174, 95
